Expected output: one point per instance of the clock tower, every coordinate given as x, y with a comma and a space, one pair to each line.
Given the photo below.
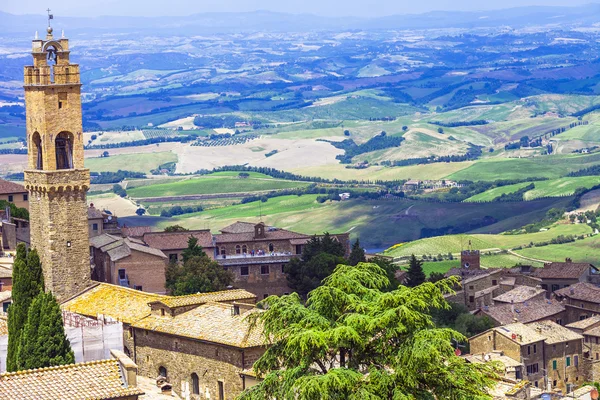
56, 178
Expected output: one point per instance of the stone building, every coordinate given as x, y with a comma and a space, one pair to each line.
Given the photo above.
115, 379
525, 312
95, 221
552, 354
201, 343
127, 262
558, 275
173, 243
582, 300
56, 178
14, 193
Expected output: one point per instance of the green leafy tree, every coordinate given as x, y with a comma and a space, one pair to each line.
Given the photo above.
415, 275
140, 211
193, 249
28, 282
176, 228
387, 264
198, 274
352, 341
319, 258
357, 254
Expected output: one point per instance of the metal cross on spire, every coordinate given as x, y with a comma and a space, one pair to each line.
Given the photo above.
50, 17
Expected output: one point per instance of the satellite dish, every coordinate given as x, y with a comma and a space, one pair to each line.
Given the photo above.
110, 217
466, 265
486, 357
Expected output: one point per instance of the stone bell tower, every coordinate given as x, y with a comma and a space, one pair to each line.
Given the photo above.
56, 178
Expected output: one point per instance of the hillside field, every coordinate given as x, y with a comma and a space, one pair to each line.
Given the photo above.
142, 162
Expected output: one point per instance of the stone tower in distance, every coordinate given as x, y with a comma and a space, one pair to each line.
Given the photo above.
56, 178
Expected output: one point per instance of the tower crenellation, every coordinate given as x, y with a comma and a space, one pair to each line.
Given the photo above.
56, 177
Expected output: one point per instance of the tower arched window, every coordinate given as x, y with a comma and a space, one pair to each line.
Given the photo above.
162, 371
195, 384
271, 247
64, 150
238, 249
36, 141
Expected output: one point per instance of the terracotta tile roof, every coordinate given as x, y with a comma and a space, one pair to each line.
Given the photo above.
562, 270
94, 213
210, 322
494, 356
519, 294
118, 248
5, 272
584, 323
524, 333
7, 187
96, 380
203, 298
135, 231
3, 326
595, 331
239, 227
177, 240
5, 295
553, 332
118, 302
525, 312
581, 291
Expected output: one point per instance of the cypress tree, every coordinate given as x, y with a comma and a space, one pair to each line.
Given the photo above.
27, 284
52, 347
415, 275
27, 354
357, 254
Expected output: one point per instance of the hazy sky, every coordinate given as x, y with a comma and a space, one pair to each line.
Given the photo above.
319, 7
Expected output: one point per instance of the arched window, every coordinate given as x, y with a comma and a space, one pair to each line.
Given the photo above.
271, 247
195, 384
162, 371
64, 150
238, 249
36, 141
244, 249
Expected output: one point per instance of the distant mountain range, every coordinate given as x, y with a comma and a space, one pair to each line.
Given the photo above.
280, 22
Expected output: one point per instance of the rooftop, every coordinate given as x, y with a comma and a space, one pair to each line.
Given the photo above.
118, 302
97, 380
553, 332
581, 291
135, 231
525, 312
177, 240
203, 298
211, 322
269, 234
94, 213
584, 323
118, 248
562, 270
239, 227
523, 333
7, 187
519, 294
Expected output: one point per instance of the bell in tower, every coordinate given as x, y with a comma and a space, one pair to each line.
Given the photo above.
56, 177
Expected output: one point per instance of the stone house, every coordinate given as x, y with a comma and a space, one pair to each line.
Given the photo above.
172, 244
582, 300
95, 221
114, 378
127, 262
552, 354
201, 343
558, 275
590, 329
525, 312
14, 193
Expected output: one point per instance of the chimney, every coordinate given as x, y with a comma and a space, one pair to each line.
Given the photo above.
512, 306
568, 260
128, 367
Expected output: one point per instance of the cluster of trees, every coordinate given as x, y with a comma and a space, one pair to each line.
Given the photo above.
13, 151
328, 194
271, 153
552, 215
197, 273
119, 190
115, 177
470, 188
16, 212
590, 171
354, 338
36, 336
379, 142
179, 210
211, 122
168, 168
460, 123
143, 142
515, 196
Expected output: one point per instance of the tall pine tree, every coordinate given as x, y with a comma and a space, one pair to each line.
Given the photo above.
44, 342
357, 254
415, 275
28, 282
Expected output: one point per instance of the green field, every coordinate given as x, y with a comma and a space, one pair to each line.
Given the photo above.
226, 183
491, 194
456, 243
586, 250
553, 166
142, 162
561, 187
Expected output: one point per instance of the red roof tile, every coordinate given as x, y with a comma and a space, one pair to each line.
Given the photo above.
563, 270
7, 187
